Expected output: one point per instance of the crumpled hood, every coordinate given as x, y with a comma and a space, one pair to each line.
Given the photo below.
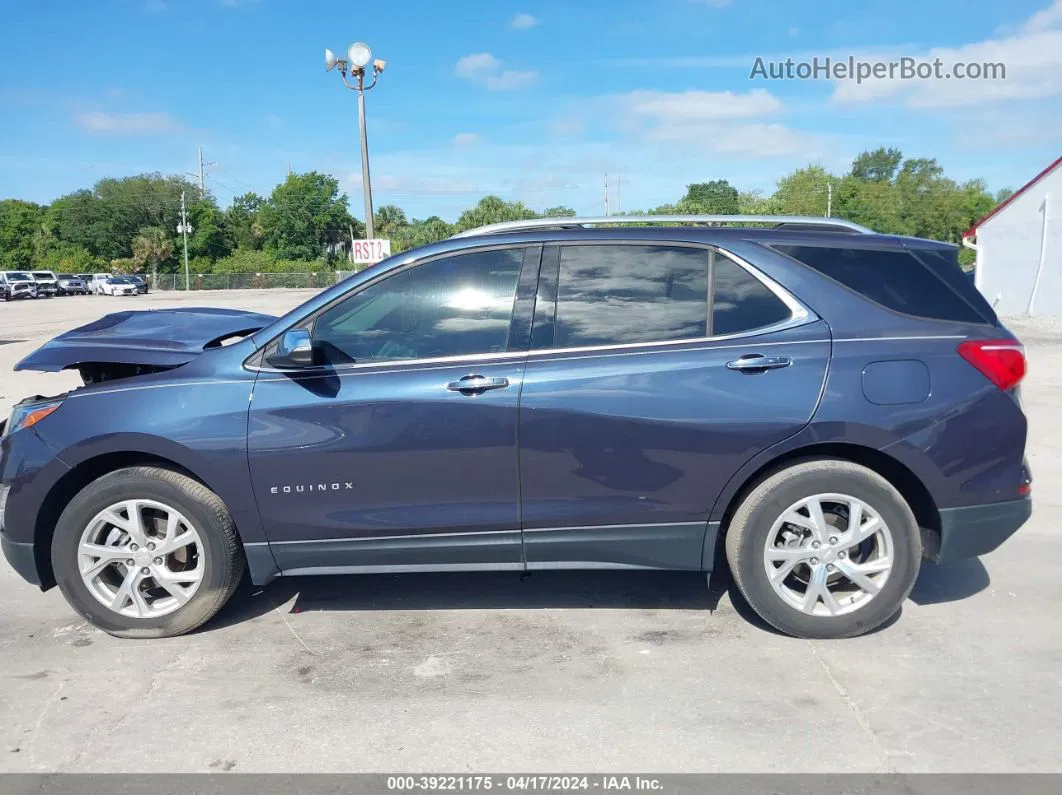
160, 337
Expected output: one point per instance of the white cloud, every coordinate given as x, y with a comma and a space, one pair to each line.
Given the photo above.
567, 126
1031, 56
466, 139
486, 70
1045, 19
523, 21
472, 67
701, 105
105, 123
722, 122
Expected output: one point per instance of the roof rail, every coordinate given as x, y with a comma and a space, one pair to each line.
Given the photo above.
779, 221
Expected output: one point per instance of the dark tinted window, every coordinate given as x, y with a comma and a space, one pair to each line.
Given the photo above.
894, 279
447, 307
741, 302
945, 264
612, 295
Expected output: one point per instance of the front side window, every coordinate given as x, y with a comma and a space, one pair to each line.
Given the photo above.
620, 294
454, 306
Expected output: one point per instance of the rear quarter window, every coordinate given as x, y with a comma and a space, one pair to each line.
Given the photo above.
894, 279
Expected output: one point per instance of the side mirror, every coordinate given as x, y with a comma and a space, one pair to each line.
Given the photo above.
295, 349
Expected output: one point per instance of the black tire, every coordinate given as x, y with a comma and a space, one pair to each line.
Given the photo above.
746, 539
223, 561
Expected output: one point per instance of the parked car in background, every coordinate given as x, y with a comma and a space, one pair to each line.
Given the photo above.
96, 281
820, 406
69, 284
119, 285
17, 284
140, 282
85, 278
47, 284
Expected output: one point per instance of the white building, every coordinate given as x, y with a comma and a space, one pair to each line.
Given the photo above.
1019, 248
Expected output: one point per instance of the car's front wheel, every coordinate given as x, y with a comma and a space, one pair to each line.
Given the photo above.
146, 552
824, 549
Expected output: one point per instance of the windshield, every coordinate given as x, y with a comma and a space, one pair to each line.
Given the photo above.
43, 275
65, 276
18, 276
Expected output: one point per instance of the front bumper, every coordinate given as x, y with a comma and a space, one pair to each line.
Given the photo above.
978, 529
28, 471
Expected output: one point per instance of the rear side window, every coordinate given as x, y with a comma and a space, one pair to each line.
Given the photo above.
622, 294
740, 301
894, 279
616, 294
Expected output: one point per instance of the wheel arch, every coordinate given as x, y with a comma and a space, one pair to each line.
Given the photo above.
86, 470
899, 474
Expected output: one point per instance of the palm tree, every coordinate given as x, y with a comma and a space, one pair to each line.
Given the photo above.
389, 218
151, 247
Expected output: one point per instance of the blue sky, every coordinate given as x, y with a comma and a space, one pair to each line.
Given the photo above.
529, 99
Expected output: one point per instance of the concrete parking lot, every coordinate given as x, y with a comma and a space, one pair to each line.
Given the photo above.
557, 672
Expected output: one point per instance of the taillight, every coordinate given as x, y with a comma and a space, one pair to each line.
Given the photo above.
1001, 361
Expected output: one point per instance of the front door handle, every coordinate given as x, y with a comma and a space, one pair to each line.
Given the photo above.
756, 363
477, 384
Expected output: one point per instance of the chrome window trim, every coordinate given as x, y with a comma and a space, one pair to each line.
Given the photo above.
799, 316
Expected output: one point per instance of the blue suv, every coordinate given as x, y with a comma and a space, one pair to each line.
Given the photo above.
822, 406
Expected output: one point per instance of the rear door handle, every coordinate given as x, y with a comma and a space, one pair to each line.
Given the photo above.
477, 384
756, 363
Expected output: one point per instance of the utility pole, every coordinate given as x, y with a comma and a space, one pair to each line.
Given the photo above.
829, 199
606, 195
202, 174
183, 228
619, 194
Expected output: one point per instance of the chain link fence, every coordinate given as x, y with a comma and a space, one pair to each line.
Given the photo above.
248, 281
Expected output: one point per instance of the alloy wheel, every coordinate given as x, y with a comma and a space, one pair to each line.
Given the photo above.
828, 554
141, 558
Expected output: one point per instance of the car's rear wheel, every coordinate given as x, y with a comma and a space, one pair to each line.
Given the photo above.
146, 552
824, 549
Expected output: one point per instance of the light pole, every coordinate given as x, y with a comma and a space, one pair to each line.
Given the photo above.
184, 228
358, 57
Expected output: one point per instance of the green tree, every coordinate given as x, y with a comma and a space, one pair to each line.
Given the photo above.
804, 192
150, 247
242, 224
717, 197
208, 238
879, 165
492, 210
305, 217
387, 220
755, 203
105, 220
559, 212
420, 233
70, 258
19, 222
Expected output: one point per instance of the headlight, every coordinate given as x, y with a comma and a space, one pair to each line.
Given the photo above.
29, 414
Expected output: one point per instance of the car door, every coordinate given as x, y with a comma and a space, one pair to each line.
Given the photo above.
398, 451
656, 371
